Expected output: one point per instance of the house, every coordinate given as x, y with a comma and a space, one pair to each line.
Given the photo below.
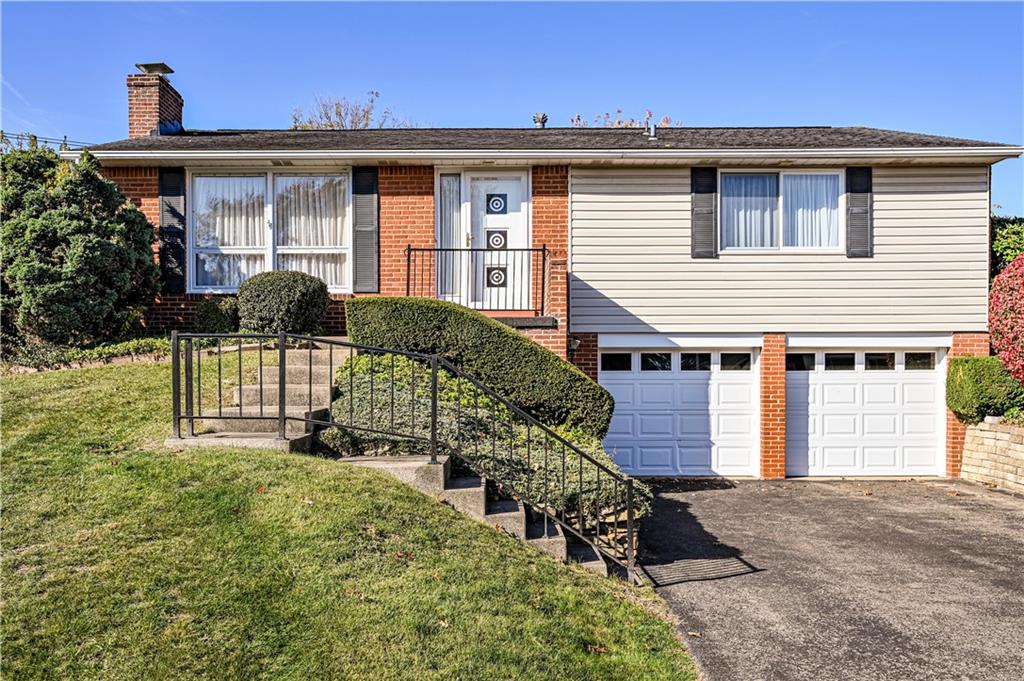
762, 302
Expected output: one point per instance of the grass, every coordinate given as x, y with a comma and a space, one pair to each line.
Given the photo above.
124, 560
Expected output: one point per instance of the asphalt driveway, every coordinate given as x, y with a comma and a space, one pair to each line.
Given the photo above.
842, 580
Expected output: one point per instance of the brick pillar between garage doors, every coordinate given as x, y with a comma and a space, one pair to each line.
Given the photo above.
964, 345
773, 406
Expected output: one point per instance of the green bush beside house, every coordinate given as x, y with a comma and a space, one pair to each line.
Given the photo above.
977, 387
528, 375
293, 302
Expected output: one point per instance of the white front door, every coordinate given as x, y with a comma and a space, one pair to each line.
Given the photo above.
865, 412
683, 412
498, 275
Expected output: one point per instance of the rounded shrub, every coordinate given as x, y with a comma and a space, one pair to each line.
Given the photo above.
272, 302
1006, 317
977, 387
217, 315
528, 375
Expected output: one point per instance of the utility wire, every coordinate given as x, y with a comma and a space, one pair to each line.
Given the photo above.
26, 136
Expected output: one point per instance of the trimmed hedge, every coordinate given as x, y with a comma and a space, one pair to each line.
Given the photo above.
217, 315
528, 375
524, 460
977, 387
271, 302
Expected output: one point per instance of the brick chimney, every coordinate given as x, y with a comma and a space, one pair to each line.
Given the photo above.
154, 106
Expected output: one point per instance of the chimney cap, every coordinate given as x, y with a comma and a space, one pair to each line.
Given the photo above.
159, 68
540, 119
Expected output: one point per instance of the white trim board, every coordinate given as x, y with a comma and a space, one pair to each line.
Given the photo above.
688, 340
869, 340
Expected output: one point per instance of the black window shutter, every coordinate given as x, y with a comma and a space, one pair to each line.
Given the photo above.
365, 231
172, 229
703, 210
859, 221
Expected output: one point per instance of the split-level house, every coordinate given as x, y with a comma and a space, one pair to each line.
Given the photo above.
760, 301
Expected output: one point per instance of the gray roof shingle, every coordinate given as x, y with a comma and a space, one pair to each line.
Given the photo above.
534, 139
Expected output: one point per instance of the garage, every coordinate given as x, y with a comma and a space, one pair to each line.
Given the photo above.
690, 412
865, 412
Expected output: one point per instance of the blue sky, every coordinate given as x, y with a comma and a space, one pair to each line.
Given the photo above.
951, 69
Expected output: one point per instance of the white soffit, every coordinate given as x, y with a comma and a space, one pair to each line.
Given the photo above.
868, 340
687, 340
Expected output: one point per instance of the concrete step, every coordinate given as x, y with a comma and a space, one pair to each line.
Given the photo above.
584, 555
296, 395
321, 357
416, 471
547, 538
508, 514
254, 424
299, 443
298, 374
466, 494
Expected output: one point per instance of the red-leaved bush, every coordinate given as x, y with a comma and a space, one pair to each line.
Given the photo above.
1006, 317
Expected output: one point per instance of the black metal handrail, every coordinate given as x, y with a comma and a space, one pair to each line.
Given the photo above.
486, 279
491, 436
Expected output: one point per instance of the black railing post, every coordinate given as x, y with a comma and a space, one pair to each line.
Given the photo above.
433, 408
282, 359
543, 276
189, 390
176, 383
630, 539
408, 269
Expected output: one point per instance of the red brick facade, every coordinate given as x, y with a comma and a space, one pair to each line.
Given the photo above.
773, 406
550, 226
152, 100
585, 355
964, 345
406, 217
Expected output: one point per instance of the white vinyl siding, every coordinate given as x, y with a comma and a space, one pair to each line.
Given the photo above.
632, 270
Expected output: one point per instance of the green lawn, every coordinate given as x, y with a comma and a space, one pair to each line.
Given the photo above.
123, 560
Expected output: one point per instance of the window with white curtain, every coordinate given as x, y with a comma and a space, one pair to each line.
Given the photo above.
229, 237
245, 224
794, 210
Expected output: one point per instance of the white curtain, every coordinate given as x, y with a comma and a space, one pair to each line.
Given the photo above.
449, 263
226, 270
229, 211
811, 208
328, 267
310, 211
749, 207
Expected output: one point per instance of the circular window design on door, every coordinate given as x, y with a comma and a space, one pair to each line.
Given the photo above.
496, 277
497, 239
497, 204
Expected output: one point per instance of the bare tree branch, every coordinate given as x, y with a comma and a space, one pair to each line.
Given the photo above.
342, 113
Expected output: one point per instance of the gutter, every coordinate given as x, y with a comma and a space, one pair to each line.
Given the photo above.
522, 154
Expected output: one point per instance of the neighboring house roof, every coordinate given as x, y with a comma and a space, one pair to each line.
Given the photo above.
535, 139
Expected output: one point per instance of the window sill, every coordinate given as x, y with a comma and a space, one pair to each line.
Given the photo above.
782, 251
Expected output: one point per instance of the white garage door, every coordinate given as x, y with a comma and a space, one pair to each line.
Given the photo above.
690, 412
872, 412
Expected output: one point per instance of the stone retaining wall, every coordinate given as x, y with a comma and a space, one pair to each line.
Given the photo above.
994, 454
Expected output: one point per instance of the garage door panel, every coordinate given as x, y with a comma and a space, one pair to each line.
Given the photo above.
655, 425
656, 458
880, 395
735, 394
881, 457
682, 422
867, 422
885, 425
657, 395
834, 425
623, 393
839, 395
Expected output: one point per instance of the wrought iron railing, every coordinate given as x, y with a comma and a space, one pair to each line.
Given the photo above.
414, 398
486, 279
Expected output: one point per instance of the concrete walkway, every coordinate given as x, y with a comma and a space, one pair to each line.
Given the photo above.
842, 580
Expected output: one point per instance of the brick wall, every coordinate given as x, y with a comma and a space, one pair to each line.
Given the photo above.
550, 225
964, 345
585, 356
142, 187
406, 217
151, 100
773, 406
